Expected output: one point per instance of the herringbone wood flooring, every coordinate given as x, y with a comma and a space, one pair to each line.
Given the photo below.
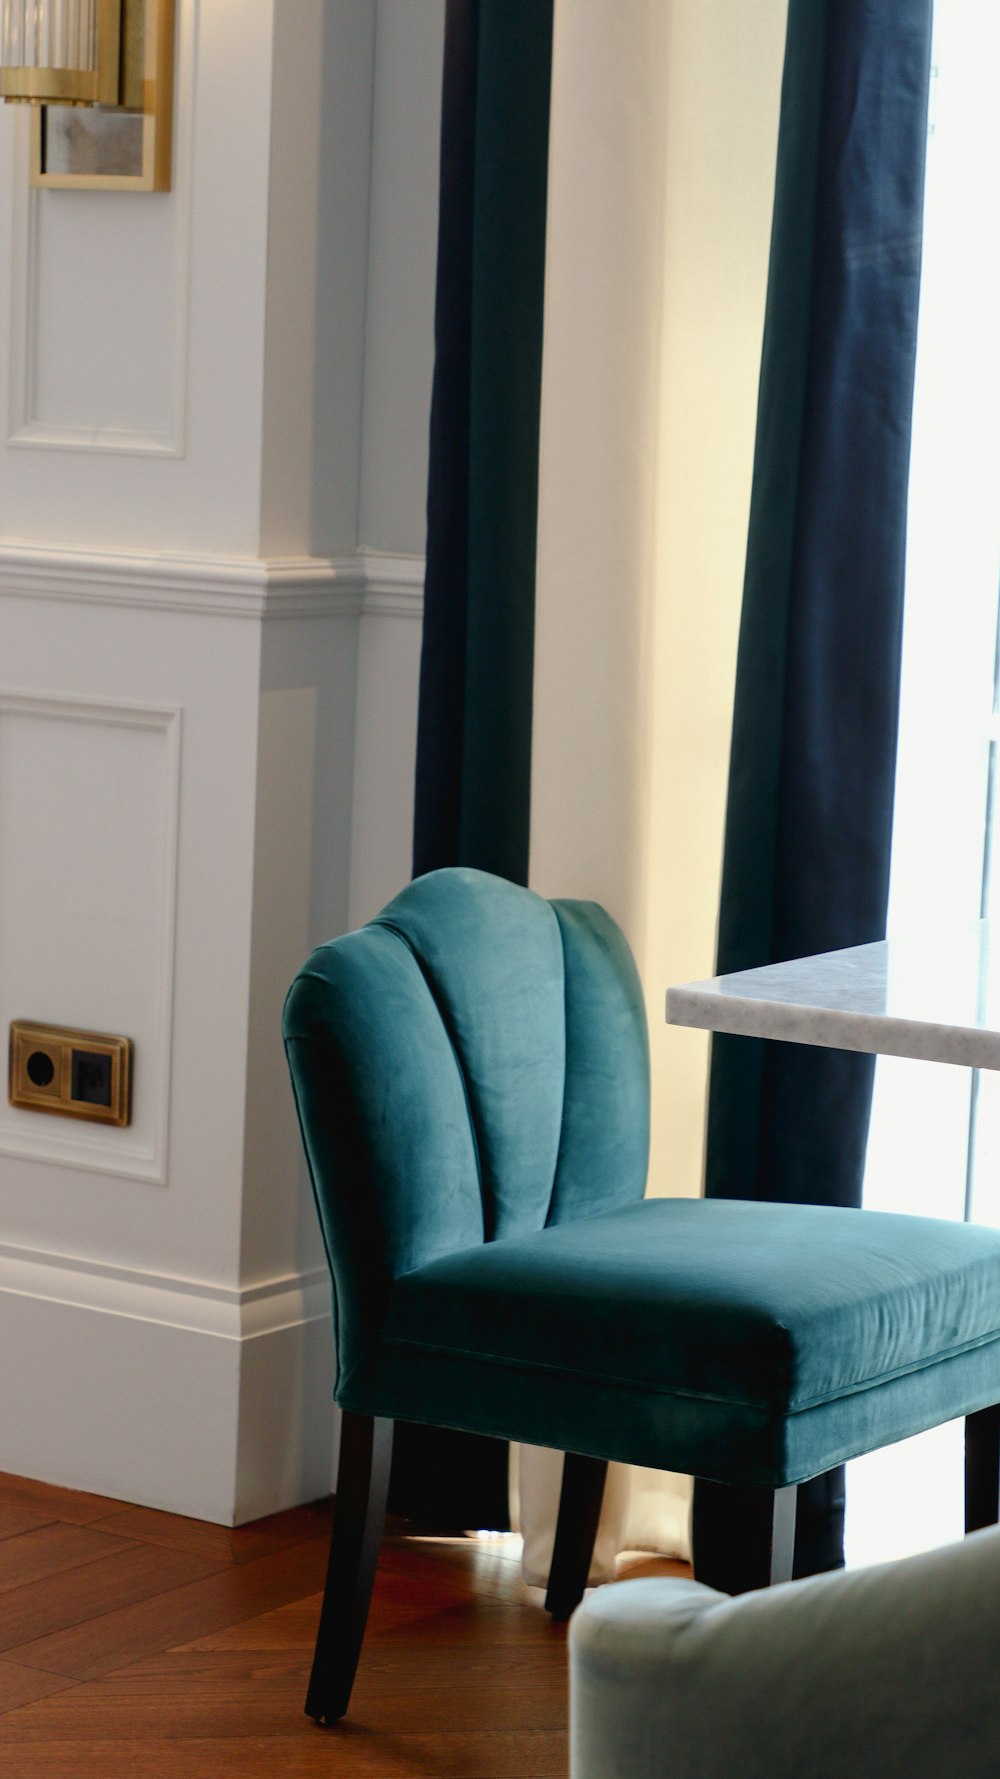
139, 1645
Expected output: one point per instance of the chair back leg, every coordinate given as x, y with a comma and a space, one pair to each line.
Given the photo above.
580, 1500
742, 1538
358, 1523
982, 1469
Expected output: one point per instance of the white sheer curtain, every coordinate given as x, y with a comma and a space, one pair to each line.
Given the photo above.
920, 1157
663, 135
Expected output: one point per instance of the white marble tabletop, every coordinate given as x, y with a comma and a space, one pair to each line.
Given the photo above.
934, 995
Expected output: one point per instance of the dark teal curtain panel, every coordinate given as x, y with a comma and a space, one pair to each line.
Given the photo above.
474, 728
474, 732
809, 816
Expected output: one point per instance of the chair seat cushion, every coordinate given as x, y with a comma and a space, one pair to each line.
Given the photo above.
776, 1308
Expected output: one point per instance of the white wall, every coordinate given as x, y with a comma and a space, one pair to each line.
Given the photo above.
402, 254
189, 639
663, 140
399, 366
320, 167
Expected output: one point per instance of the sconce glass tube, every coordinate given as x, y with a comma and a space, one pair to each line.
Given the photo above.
51, 50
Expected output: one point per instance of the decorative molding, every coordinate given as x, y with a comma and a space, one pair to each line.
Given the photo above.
235, 587
38, 435
97, 1148
394, 585
237, 1313
25, 431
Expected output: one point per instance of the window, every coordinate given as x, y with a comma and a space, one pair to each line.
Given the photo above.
934, 1146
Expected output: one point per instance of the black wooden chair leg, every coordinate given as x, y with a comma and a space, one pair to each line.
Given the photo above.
982, 1469
576, 1530
784, 1503
742, 1538
358, 1523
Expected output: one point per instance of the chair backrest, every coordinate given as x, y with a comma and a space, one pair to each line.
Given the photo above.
473, 1064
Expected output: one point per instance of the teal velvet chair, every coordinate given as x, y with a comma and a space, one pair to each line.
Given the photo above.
471, 1075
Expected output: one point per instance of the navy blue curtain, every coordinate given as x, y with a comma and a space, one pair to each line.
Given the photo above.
809, 815
474, 729
474, 726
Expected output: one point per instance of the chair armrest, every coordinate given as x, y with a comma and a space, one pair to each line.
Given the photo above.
890, 1670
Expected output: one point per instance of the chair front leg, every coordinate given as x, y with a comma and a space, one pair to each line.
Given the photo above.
580, 1500
982, 1468
742, 1538
358, 1523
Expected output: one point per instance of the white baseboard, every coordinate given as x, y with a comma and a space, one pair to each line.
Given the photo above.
171, 1393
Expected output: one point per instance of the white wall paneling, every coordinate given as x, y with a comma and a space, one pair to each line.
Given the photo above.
210, 1262
99, 306
304, 791
203, 637
207, 1271
212, 467
87, 905
132, 324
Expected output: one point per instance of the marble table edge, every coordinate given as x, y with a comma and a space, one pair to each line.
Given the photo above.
703, 1007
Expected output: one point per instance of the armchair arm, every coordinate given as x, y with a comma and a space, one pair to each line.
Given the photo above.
890, 1670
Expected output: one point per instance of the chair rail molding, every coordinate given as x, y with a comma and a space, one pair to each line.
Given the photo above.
227, 586
394, 585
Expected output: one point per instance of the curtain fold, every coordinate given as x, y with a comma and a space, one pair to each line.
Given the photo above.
474, 725
475, 710
809, 814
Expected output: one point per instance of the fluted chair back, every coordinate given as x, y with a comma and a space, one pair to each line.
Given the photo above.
471, 1065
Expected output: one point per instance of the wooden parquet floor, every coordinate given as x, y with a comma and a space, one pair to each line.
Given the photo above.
140, 1645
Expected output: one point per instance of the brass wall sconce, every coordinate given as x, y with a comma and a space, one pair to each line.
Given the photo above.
99, 77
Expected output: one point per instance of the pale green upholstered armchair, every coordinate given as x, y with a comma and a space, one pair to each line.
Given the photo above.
885, 1673
471, 1075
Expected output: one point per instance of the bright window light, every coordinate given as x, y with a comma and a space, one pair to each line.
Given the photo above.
919, 1154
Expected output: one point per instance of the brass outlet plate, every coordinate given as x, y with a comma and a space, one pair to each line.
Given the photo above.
75, 1074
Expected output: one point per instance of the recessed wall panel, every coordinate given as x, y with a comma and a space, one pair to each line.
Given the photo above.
99, 303
88, 843
103, 335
